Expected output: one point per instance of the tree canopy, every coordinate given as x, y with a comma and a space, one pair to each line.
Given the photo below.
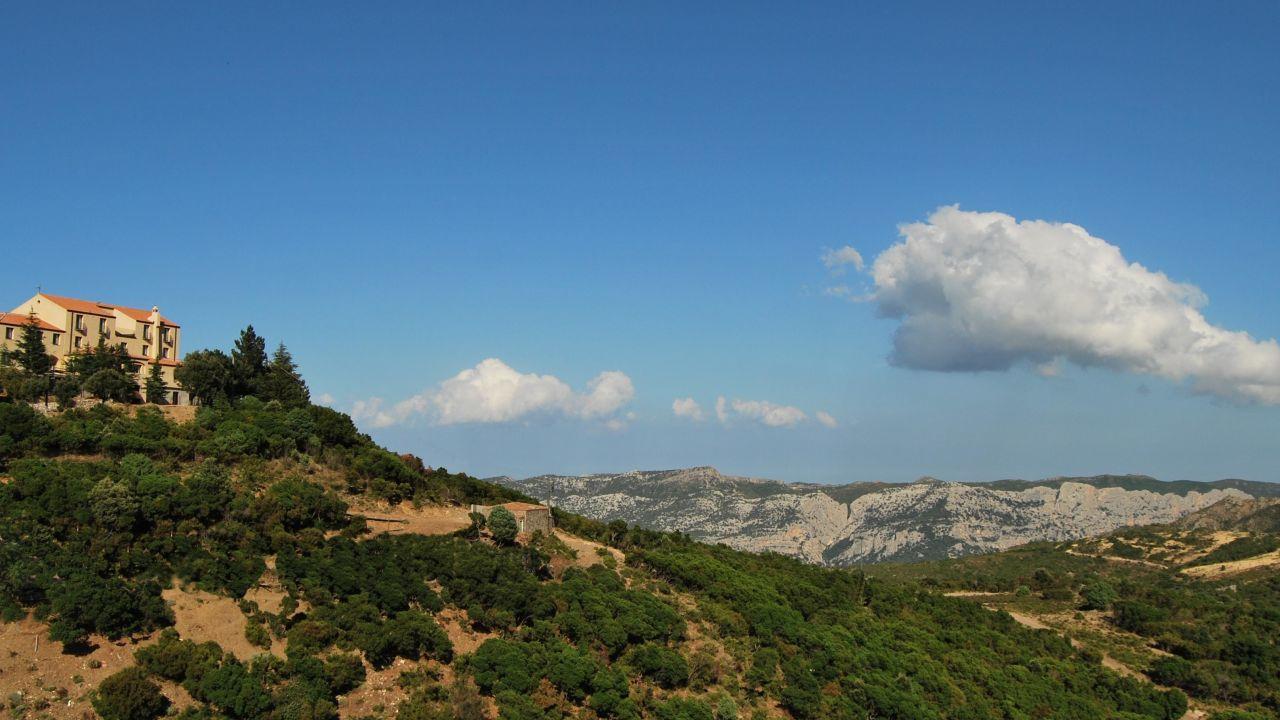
31, 355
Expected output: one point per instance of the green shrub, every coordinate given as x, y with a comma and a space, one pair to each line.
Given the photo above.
129, 695
502, 525
664, 666
109, 384
1097, 596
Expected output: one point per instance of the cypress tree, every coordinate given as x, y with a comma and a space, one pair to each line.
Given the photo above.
248, 361
31, 354
155, 385
283, 382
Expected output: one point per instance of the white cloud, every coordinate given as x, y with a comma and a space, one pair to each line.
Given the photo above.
376, 414
837, 259
759, 411
606, 394
767, 413
494, 392
687, 408
324, 399
982, 291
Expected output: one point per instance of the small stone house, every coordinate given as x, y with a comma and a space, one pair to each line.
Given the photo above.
529, 517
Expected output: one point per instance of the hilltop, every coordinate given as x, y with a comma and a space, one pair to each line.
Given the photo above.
877, 522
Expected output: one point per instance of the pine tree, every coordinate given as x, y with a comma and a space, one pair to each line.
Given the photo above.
282, 381
155, 385
31, 355
248, 361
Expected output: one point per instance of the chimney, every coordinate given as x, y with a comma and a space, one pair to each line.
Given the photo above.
155, 332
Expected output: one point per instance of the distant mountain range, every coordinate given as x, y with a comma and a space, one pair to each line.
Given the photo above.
878, 522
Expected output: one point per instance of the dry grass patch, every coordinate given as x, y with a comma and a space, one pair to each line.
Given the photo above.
406, 519
202, 617
55, 684
588, 551
1235, 567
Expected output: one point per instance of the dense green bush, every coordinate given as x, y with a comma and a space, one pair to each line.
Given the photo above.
129, 695
502, 525
664, 666
1098, 596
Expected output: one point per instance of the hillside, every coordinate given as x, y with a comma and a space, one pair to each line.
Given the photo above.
877, 522
1193, 605
239, 565
1256, 515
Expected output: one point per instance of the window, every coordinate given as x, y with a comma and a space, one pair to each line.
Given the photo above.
8, 333
164, 352
79, 323
146, 332
146, 350
78, 339
56, 338
102, 325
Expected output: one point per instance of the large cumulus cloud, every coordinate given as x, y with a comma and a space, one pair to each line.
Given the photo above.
494, 392
978, 291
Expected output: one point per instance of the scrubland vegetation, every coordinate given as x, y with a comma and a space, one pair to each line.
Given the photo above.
101, 509
1213, 637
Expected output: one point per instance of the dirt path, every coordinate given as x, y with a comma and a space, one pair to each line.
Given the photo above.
442, 520
1107, 661
405, 518
1113, 558
588, 551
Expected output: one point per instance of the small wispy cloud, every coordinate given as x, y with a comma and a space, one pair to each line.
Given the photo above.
761, 412
836, 260
769, 414
687, 408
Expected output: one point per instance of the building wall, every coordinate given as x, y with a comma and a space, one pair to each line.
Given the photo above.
527, 521
12, 344
144, 340
534, 520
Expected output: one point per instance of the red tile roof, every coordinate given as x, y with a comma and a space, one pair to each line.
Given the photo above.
20, 319
104, 309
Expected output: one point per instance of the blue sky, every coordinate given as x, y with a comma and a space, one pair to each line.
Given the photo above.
400, 193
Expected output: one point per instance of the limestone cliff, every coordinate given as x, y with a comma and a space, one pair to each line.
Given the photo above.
871, 522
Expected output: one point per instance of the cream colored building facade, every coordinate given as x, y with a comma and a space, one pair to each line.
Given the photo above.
68, 326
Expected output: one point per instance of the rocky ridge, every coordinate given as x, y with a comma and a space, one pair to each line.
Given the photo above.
875, 522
